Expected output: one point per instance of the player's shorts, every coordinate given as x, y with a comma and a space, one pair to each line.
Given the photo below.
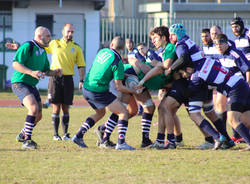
22, 90
61, 89
98, 100
239, 97
179, 91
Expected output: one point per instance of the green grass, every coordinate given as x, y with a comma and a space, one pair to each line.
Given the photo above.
65, 163
11, 96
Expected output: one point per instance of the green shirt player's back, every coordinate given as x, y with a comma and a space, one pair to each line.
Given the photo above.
35, 60
106, 66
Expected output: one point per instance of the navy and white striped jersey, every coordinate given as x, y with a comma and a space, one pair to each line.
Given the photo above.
211, 51
135, 54
243, 43
152, 55
217, 76
188, 47
235, 61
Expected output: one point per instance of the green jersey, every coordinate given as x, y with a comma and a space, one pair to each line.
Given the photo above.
169, 52
106, 66
36, 60
159, 81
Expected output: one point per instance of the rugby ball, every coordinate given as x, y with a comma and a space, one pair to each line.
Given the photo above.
132, 81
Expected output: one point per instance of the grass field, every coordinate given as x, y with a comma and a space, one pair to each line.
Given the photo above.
65, 163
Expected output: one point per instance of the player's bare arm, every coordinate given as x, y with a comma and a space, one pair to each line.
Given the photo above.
81, 74
21, 68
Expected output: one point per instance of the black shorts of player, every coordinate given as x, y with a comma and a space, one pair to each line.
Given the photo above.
61, 89
200, 94
98, 100
21, 90
179, 91
239, 97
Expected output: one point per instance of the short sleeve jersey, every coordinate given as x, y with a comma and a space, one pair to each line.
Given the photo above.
65, 55
159, 81
106, 66
36, 61
169, 52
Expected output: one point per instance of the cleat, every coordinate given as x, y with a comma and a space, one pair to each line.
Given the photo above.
170, 145
146, 144
124, 146
20, 137
245, 149
29, 144
228, 144
218, 143
180, 144
206, 145
79, 142
238, 140
66, 137
100, 135
57, 138
107, 145
157, 145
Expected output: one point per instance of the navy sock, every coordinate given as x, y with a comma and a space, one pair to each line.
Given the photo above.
85, 127
244, 132
145, 125
29, 125
235, 134
207, 127
171, 138
221, 128
223, 117
65, 123
55, 123
122, 129
160, 138
209, 139
178, 138
102, 127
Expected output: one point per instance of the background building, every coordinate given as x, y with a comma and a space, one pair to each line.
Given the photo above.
19, 18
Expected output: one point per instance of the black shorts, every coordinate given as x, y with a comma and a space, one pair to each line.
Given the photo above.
179, 91
61, 90
98, 100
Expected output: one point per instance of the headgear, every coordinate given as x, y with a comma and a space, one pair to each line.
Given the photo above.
178, 29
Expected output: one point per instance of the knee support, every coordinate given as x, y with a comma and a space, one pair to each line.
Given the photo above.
209, 107
194, 107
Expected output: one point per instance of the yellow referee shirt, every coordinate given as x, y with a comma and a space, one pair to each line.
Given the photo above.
65, 56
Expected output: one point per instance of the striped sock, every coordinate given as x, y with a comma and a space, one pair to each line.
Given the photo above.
122, 129
55, 123
145, 125
29, 125
65, 123
85, 127
110, 126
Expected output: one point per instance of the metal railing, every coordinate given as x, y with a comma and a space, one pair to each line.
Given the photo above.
138, 28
